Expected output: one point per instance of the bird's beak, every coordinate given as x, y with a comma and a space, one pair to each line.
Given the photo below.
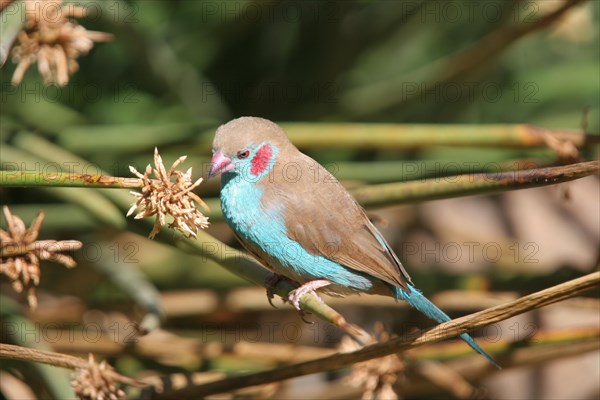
219, 164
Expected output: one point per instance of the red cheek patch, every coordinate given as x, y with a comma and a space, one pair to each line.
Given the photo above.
261, 159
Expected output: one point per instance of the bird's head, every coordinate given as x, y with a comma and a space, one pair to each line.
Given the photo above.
247, 146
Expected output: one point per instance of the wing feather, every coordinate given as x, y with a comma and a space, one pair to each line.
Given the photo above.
326, 220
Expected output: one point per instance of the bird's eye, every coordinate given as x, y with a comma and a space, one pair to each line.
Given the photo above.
243, 154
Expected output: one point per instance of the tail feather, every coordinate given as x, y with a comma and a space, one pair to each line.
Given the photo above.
421, 303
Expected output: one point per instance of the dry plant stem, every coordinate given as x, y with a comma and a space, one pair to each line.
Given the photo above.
63, 179
472, 369
288, 353
470, 184
12, 352
16, 250
440, 332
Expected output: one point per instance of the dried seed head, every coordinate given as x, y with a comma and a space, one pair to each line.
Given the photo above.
95, 382
378, 376
53, 40
162, 197
20, 253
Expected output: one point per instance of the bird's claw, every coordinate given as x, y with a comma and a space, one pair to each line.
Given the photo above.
270, 282
302, 314
295, 295
270, 297
309, 287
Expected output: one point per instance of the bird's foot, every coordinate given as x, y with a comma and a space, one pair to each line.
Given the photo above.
270, 283
309, 287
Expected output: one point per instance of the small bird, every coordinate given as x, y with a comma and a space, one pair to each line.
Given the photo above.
302, 224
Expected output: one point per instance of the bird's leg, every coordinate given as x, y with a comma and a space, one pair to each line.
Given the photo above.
309, 287
270, 283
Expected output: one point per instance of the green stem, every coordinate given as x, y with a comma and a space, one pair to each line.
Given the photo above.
63, 159
368, 196
90, 200
85, 139
403, 136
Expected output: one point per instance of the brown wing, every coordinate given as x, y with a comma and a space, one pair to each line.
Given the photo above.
325, 219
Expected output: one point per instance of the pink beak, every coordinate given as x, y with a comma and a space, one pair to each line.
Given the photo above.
219, 164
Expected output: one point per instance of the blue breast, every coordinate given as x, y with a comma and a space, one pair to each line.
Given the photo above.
264, 229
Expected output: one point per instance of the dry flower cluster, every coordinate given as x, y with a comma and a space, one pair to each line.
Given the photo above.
377, 376
162, 197
95, 382
20, 253
52, 39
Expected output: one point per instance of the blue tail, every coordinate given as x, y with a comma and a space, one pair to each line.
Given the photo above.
421, 303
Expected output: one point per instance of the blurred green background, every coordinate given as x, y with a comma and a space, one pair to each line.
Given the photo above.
178, 69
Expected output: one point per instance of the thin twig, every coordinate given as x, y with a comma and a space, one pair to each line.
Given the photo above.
441, 332
12, 352
470, 184
473, 369
64, 179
